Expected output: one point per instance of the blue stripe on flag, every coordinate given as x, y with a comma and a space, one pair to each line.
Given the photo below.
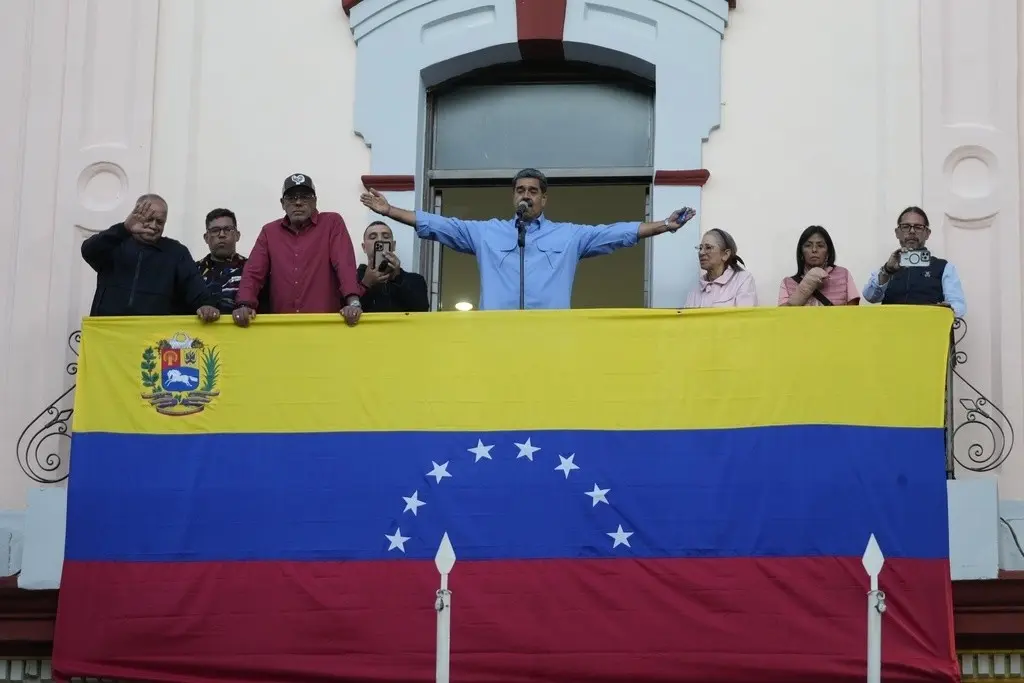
756, 492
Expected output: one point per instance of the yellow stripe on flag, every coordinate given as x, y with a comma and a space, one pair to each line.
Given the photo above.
512, 370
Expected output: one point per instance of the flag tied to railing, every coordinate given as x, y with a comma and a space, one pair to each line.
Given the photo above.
632, 496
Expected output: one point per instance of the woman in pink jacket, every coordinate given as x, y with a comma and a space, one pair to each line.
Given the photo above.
724, 281
818, 280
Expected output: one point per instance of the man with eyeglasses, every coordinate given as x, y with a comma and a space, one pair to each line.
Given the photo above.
222, 267
913, 275
306, 259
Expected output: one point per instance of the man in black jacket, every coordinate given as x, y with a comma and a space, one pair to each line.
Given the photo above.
389, 289
141, 272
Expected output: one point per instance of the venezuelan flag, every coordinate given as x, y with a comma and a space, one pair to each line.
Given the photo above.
632, 496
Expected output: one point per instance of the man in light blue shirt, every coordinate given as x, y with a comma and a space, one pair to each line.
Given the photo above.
552, 249
932, 281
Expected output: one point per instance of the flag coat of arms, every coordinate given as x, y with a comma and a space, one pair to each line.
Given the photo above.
631, 496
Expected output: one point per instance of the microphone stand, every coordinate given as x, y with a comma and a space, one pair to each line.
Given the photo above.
521, 226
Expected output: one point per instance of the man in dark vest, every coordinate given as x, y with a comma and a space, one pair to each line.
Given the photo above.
914, 276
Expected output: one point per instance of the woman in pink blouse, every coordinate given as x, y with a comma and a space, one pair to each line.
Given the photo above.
724, 282
818, 280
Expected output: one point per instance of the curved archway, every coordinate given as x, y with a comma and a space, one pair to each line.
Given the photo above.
405, 47
579, 116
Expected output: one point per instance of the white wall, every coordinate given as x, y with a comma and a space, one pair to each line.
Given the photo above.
247, 93
76, 117
821, 125
213, 102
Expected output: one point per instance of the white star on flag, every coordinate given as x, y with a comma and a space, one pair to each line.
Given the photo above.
526, 450
567, 465
397, 540
620, 537
439, 472
481, 451
413, 502
598, 495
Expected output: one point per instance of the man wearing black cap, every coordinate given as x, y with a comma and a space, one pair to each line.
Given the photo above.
311, 257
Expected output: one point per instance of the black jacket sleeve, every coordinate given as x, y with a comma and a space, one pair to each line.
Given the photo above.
191, 285
410, 289
98, 251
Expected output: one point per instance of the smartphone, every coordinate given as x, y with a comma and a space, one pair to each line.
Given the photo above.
380, 248
918, 258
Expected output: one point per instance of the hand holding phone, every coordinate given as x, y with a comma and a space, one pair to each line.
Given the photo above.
915, 258
381, 248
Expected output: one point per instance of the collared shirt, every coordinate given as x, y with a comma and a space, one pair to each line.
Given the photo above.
310, 271
222, 278
952, 290
552, 252
838, 287
731, 288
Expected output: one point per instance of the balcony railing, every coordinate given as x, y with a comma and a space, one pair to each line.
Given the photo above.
979, 436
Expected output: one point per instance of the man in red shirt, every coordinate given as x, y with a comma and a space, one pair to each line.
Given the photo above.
308, 257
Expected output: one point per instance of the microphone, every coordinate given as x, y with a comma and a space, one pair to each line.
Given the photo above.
521, 208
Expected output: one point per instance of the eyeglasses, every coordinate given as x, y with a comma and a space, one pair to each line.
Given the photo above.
705, 247
299, 198
219, 232
912, 227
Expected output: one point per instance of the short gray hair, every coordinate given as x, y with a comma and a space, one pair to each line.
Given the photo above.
532, 173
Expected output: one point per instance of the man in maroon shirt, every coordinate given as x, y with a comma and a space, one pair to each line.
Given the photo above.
308, 257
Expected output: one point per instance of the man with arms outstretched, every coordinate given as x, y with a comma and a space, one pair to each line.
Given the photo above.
552, 249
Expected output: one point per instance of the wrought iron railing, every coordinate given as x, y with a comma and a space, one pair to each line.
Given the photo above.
43, 446
979, 435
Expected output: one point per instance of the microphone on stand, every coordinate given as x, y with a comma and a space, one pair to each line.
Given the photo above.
521, 208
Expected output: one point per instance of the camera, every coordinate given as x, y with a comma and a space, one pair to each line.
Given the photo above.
919, 258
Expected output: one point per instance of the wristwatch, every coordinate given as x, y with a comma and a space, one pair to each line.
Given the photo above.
357, 303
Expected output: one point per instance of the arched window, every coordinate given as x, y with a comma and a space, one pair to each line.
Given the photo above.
590, 130
575, 117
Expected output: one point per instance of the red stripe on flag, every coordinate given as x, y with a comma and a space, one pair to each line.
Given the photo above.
762, 621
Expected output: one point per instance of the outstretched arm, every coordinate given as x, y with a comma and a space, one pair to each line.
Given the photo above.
604, 239
454, 233
376, 202
677, 220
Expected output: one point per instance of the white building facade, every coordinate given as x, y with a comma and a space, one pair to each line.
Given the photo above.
766, 117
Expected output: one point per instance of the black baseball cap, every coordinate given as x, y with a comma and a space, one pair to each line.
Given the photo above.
298, 180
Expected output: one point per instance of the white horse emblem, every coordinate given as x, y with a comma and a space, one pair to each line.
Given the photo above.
175, 377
